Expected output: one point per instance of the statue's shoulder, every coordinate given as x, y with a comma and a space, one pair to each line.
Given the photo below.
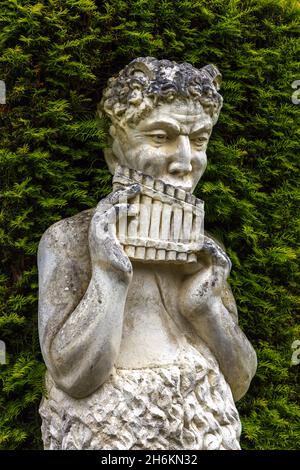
64, 265
68, 237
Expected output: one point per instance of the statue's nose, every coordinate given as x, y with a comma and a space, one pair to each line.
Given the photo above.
181, 159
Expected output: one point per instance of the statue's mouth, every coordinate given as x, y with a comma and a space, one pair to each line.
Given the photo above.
168, 225
184, 182
187, 188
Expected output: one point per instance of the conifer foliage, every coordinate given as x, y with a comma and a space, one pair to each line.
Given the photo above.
55, 57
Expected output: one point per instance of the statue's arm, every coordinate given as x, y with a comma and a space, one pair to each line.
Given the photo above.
79, 342
204, 295
80, 329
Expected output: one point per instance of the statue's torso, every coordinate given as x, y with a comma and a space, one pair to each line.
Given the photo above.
164, 378
153, 330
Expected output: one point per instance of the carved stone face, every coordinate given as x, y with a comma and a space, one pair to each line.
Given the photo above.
169, 144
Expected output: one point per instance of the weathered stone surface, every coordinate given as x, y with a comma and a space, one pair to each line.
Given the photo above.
143, 348
186, 405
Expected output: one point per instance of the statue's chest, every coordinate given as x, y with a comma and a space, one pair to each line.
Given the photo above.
151, 335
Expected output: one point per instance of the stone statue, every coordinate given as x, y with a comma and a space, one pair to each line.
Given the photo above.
140, 334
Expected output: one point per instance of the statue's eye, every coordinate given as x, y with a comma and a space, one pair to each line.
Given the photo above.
199, 141
159, 138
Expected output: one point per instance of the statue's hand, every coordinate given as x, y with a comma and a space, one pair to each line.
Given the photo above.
204, 281
105, 248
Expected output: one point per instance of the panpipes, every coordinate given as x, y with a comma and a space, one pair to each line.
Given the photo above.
169, 225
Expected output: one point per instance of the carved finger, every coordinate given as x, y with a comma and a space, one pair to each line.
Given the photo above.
103, 231
119, 211
118, 196
218, 256
117, 256
104, 244
113, 214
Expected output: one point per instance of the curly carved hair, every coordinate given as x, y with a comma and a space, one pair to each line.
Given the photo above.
145, 82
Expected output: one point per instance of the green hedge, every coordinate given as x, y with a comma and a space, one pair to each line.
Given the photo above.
55, 58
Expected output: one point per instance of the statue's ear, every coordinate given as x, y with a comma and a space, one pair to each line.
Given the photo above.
214, 75
144, 65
